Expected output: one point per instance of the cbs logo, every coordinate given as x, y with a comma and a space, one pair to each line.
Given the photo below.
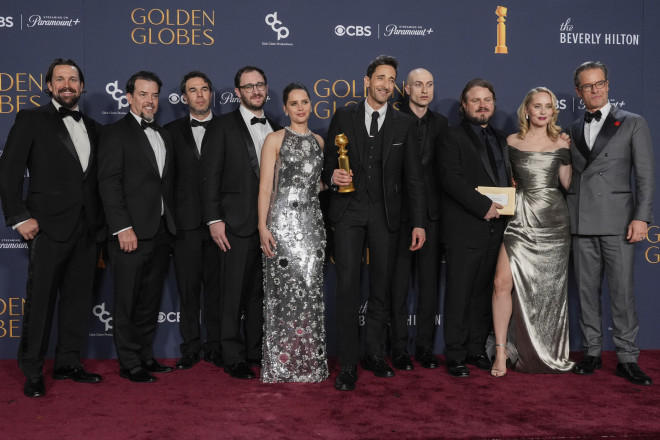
6, 22
353, 31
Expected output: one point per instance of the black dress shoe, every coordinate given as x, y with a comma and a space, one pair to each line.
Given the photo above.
377, 364
346, 379
188, 361
427, 360
458, 369
153, 366
480, 361
401, 361
632, 373
138, 374
253, 362
215, 358
34, 387
239, 370
76, 373
588, 364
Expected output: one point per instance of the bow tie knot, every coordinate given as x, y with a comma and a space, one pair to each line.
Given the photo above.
75, 114
144, 124
195, 123
256, 120
588, 116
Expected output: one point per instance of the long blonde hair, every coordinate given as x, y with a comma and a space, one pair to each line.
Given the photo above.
523, 123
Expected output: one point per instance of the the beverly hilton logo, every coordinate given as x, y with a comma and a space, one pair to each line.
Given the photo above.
569, 33
501, 30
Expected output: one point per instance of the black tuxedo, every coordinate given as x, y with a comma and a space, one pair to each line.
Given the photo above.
196, 257
230, 189
134, 193
382, 167
426, 261
63, 256
471, 242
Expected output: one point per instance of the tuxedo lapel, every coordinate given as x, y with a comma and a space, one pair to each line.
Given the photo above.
91, 135
247, 141
62, 132
186, 130
388, 132
579, 140
143, 140
607, 131
479, 149
359, 133
169, 148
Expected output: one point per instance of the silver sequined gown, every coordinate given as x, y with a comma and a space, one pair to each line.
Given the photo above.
537, 241
294, 330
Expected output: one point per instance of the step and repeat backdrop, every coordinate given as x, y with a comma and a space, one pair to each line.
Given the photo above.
516, 44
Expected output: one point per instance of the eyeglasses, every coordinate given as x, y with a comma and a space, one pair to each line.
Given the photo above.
261, 86
589, 87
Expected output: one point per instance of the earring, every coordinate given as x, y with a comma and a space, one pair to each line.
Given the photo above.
527, 117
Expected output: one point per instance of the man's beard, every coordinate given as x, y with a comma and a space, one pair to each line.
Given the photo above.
69, 103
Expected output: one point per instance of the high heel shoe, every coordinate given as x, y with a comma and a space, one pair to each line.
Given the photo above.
495, 372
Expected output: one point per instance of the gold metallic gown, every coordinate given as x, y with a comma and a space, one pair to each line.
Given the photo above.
294, 327
537, 241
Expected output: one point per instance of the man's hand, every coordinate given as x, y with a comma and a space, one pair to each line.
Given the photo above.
127, 240
217, 230
29, 229
492, 212
341, 177
418, 238
637, 230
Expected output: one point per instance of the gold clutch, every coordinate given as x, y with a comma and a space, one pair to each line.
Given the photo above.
505, 196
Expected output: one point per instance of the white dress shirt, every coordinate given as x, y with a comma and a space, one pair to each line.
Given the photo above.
592, 128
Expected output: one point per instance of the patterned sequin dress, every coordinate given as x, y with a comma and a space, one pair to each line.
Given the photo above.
537, 240
294, 330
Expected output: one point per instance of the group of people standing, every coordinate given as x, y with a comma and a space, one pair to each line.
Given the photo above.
235, 197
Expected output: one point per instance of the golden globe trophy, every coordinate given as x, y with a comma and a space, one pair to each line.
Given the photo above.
501, 30
341, 141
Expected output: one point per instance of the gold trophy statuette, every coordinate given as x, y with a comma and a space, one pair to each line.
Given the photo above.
341, 141
501, 30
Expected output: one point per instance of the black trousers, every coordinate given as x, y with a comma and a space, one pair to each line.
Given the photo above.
360, 222
426, 264
242, 292
139, 278
197, 266
67, 268
468, 296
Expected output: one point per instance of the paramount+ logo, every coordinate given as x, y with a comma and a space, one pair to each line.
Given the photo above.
352, 31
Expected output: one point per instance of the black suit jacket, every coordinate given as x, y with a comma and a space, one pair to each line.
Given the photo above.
187, 186
401, 163
437, 125
464, 165
129, 182
58, 188
230, 174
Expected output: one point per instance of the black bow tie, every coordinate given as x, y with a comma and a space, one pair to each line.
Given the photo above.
153, 125
256, 120
75, 114
588, 117
195, 123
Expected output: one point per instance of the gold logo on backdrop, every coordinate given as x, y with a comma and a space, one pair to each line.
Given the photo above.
501, 30
19, 90
11, 311
341, 92
652, 253
173, 26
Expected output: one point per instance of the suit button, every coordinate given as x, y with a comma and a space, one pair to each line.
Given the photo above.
606, 154
600, 195
600, 174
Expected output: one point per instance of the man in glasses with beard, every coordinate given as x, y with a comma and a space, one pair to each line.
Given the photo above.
229, 174
60, 219
473, 154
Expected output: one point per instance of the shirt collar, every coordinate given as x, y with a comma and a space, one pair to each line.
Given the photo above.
369, 111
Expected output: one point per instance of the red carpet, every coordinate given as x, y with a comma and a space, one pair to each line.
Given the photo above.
205, 403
